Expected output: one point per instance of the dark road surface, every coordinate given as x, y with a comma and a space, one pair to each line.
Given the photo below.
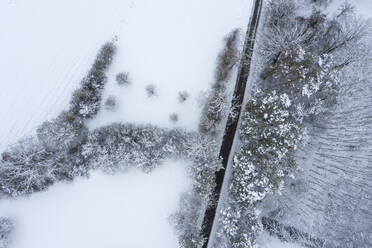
232, 122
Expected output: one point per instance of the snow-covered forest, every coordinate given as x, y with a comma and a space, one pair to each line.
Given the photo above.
121, 143
303, 169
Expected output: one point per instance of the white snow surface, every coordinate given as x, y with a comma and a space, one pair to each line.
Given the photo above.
46, 47
363, 7
125, 210
267, 241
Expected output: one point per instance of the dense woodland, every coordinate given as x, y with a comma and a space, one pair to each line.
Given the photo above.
306, 119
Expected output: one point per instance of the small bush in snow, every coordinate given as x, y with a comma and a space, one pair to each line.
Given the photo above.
151, 90
183, 96
110, 103
6, 227
122, 78
174, 117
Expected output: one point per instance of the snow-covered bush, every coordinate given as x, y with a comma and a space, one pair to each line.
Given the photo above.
6, 227
173, 117
110, 103
183, 96
122, 78
151, 90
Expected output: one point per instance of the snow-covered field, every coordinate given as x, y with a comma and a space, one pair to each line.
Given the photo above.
362, 7
46, 47
125, 210
267, 241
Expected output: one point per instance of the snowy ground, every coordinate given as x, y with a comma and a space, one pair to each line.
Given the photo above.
126, 210
43, 56
46, 47
363, 7
267, 241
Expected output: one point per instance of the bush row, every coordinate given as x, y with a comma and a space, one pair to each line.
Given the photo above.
215, 109
6, 227
85, 101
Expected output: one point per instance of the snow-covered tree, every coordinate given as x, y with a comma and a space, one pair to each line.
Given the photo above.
61, 133
25, 168
6, 227
86, 100
269, 132
217, 104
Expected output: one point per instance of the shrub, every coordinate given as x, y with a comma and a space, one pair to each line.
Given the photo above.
110, 103
173, 117
183, 96
122, 78
151, 90
6, 227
